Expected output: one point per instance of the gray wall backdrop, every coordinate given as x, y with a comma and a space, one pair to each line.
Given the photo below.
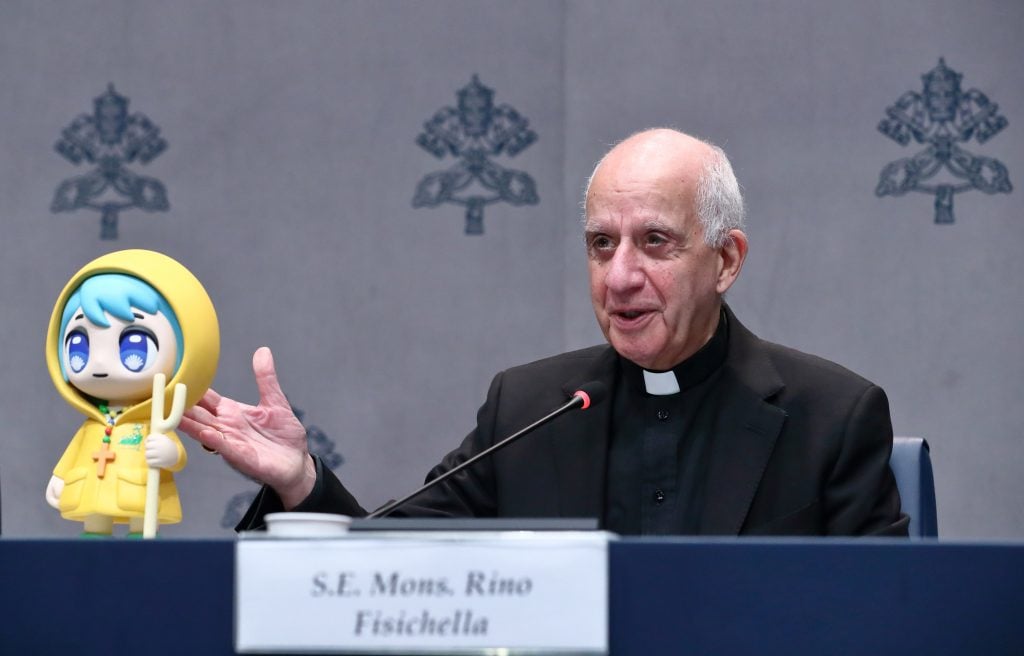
291, 165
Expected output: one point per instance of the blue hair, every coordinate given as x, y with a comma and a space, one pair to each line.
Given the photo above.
116, 294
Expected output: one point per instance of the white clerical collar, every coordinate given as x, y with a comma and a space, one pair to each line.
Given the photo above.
661, 383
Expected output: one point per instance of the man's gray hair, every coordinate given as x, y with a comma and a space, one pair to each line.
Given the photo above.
719, 202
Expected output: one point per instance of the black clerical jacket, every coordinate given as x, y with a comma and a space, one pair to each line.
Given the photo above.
800, 447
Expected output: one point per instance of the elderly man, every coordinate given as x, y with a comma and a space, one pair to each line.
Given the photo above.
708, 429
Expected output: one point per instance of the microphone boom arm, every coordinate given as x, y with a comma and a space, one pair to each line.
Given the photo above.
579, 399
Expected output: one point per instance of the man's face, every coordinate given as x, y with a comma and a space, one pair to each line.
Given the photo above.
654, 283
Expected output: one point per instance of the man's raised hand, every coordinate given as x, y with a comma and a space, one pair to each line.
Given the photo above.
266, 441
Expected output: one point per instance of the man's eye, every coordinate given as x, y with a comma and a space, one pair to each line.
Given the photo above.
656, 240
600, 242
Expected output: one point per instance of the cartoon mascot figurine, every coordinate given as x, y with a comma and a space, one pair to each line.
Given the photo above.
126, 324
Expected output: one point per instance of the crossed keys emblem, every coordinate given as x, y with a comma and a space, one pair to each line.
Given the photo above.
942, 117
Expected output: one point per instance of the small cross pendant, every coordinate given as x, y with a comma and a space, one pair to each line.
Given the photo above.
102, 457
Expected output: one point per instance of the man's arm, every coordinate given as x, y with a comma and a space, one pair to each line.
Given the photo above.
327, 496
267, 442
471, 492
860, 495
467, 494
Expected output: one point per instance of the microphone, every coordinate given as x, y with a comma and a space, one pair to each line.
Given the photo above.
587, 395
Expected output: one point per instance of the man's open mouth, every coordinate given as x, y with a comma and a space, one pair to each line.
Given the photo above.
629, 318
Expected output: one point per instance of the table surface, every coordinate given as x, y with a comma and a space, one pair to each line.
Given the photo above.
667, 596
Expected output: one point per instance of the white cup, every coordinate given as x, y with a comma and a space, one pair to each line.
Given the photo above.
306, 525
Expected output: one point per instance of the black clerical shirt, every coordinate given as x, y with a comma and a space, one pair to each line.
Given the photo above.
658, 455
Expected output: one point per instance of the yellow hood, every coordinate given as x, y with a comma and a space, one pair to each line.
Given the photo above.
190, 303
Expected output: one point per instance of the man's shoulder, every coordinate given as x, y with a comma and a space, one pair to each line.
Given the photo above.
561, 365
767, 361
812, 373
546, 382
791, 358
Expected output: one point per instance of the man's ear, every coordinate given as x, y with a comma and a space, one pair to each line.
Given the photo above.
731, 256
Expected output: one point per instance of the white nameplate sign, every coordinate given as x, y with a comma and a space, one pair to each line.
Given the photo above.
422, 593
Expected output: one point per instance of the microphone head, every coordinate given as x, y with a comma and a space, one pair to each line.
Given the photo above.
591, 393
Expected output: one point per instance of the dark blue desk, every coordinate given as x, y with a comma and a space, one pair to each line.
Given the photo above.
667, 597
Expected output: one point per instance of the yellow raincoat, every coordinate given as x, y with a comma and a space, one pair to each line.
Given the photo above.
121, 492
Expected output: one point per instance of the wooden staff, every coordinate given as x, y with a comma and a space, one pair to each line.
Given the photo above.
160, 424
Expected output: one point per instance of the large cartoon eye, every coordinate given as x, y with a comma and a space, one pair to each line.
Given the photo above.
138, 346
77, 346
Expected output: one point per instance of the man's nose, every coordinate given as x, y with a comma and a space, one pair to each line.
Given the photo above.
625, 269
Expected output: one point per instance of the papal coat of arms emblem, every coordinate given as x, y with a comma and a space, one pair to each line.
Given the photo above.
473, 132
109, 140
941, 117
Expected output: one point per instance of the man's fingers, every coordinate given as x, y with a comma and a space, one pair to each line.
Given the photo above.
211, 439
266, 379
191, 427
209, 400
200, 415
